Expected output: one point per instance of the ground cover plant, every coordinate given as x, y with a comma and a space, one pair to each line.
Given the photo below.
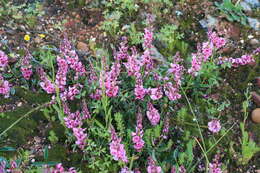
128, 86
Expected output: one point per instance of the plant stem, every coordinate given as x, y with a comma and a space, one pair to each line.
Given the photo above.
22, 117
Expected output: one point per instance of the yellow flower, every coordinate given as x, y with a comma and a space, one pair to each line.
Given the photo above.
26, 37
41, 35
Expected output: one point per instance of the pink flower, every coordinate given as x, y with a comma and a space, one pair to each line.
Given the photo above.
3, 59
4, 87
117, 149
195, 64
152, 168
140, 92
171, 92
156, 93
177, 71
85, 112
207, 50
48, 86
133, 65
215, 166
148, 38
26, 67
152, 114
216, 40
61, 75
147, 60
214, 126
45, 83
81, 136
73, 120
97, 95
122, 53
125, 170
71, 92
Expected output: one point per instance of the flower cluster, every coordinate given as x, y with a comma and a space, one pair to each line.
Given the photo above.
243, 60
26, 67
214, 126
60, 169
217, 41
81, 136
3, 59
125, 170
152, 168
2, 166
181, 169
133, 65
71, 92
152, 114
203, 53
45, 83
4, 87
117, 149
138, 134
74, 121
215, 166
110, 81
61, 75
72, 58
122, 53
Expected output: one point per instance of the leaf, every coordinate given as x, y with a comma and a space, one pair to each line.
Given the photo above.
46, 153
7, 149
45, 163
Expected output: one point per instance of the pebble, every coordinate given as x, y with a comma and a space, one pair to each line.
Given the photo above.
208, 22
82, 46
253, 3
254, 42
254, 23
255, 115
256, 98
245, 6
258, 81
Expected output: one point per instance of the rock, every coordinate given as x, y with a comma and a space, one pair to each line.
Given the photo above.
245, 6
258, 81
82, 47
255, 115
254, 23
253, 3
209, 22
156, 55
256, 98
254, 42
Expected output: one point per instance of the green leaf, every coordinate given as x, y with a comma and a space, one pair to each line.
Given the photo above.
7, 149
46, 153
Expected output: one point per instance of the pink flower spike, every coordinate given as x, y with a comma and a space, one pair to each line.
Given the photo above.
152, 114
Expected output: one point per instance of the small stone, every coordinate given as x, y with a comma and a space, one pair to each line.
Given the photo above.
245, 6
256, 115
254, 42
258, 81
209, 22
253, 3
254, 23
82, 46
256, 98
37, 40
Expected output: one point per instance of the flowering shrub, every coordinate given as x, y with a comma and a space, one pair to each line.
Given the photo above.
108, 95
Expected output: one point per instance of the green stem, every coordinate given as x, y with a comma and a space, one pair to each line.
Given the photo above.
22, 117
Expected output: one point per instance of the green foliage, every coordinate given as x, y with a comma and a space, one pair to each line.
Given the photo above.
249, 147
232, 11
120, 123
52, 137
172, 40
